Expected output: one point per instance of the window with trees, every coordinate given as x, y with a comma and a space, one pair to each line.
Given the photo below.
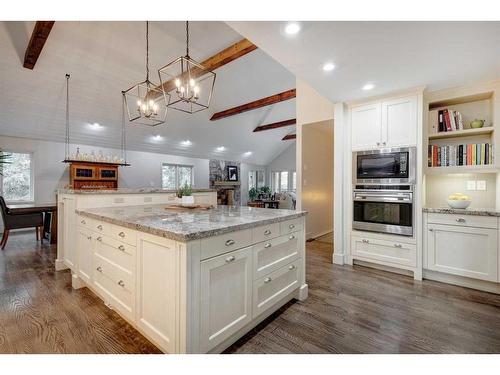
17, 178
174, 176
282, 181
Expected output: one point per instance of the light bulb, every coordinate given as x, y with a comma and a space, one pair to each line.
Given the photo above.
182, 89
196, 90
191, 82
177, 82
139, 103
155, 107
144, 107
151, 103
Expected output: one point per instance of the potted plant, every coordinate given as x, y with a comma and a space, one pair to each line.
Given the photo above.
185, 193
265, 191
253, 193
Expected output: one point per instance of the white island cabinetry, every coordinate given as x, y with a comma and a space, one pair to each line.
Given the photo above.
193, 295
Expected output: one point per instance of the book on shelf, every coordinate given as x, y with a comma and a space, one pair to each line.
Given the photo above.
460, 155
449, 120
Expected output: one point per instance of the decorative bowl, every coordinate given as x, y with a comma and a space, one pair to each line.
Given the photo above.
476, 124
460, 204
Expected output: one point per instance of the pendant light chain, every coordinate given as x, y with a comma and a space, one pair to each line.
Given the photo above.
124, 152
147, 50
67, 118
187, 38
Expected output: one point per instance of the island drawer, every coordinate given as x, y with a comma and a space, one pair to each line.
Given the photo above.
265, 232
115, 285
270, 289
117, 252
384, 251
213, 246
464, 220
271, 255
291, 226
117, 232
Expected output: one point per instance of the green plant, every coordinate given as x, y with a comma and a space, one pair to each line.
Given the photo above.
185, 191
253, 193
4, 159
265, 190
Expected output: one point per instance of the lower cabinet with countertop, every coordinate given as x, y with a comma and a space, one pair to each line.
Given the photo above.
461, 247
196, 281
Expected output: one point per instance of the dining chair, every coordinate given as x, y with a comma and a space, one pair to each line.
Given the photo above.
18, 221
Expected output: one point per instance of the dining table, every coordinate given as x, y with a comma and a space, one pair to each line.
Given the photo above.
49, 211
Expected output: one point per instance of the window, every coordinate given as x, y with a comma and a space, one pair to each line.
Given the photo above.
252, 179
282, 181
17, 179
174, 176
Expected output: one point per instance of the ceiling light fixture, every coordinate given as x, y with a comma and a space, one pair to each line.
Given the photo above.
157, 137
328, 67
146, 102
187, 142
95, 126
188, 84
292, 28
248, 153
368, 86
220, 148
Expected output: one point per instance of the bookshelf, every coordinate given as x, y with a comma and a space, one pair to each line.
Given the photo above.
462, 133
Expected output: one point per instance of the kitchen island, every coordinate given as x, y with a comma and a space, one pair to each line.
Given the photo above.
192, 281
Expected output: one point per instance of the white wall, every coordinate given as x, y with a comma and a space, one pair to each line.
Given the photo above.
286, 161
51, 174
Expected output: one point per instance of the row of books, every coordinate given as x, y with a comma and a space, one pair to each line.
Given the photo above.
457, 155
449, 120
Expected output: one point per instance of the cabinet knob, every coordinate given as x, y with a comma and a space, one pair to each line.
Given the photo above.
383, 143
291, 226
267, 232
460, 220
89, 237
398, 245
230, 259
292, 267
365, 241
431, 230
378, 143
267, 245
99, 269
121, 283
99, 227
99, 239
291, 237
121, 247
229, 242
268, 280
121, 234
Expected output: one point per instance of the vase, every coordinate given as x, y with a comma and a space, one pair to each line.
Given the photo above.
187, 199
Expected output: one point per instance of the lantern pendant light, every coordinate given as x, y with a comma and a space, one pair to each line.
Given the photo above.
187, 84
146, 102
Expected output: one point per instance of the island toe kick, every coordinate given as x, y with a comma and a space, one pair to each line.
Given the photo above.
196, 296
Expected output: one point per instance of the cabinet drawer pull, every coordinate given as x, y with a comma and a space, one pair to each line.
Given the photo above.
267, 245
99, 227
431, 230
365, 241
230, 242
291, 226
383, 143
230, 259
291, 237
89, 237
121, 248
268, 280
460, 220
83, 222
378, 143
292, 267
99, 239
121, 283
398, 245
267, 232
121, 234
99, 269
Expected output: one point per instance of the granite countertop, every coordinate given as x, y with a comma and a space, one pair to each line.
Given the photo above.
188, 225
466, 211
146, 190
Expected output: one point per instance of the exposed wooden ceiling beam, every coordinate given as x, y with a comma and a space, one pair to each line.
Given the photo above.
221, 58
282, 96
37, 41
276, 125
289, 137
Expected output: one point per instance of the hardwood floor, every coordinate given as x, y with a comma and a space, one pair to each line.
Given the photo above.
349, 310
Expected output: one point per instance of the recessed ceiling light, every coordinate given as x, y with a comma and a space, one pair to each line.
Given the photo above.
157, 137
292, 28
220, 148
328, 67
95, 126
368, 86
187, 142
248, 153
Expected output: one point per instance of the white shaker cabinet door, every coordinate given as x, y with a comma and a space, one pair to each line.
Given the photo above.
399, 122
226, 296
463, 251
366, 126
85, 254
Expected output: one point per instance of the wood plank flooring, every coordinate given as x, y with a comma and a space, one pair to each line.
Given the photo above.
349, 310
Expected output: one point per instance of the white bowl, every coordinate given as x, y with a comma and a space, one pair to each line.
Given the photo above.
458, 203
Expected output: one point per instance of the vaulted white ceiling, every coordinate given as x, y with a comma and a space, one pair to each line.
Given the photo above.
105, 58
391, 55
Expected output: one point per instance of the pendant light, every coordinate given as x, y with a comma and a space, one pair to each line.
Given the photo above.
187, 83
146, 102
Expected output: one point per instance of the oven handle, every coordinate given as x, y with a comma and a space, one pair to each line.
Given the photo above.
382, 198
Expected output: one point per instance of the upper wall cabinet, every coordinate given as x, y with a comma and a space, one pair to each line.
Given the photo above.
390, 123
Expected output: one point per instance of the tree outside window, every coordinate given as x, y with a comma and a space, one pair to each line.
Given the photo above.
174, 176
17, 179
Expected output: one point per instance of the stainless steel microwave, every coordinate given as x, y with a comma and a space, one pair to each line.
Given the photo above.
384, 166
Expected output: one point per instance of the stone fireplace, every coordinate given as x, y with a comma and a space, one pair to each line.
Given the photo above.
228, 192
